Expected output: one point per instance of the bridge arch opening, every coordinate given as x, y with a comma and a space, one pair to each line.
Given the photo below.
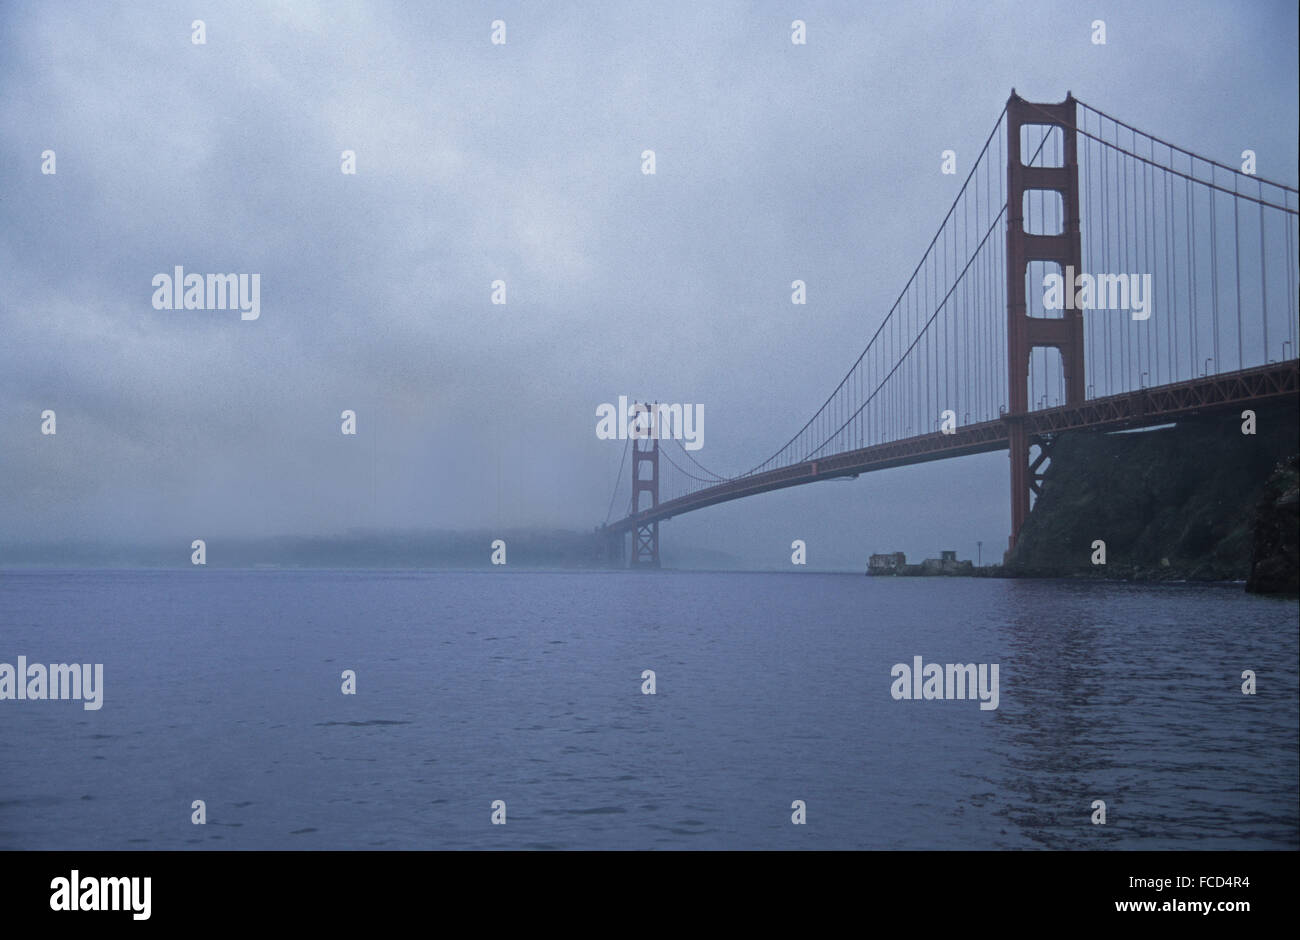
1036, 292
1045, 383
1044, 212
1042, 145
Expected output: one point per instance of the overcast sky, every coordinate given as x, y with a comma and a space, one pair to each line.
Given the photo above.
520, 162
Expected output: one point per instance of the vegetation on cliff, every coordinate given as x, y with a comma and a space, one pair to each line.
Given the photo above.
1177, 503
1275, 567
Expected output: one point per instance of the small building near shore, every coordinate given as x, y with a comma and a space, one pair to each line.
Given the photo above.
895, 563
889, 563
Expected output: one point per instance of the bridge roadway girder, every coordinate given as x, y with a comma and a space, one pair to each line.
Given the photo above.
1140, 408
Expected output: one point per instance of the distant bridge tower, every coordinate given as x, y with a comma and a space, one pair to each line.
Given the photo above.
645, 537
1025, 333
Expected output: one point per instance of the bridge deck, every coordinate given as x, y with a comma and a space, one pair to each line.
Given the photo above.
1140, 408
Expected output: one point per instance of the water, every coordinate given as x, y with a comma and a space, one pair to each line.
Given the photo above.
525, 687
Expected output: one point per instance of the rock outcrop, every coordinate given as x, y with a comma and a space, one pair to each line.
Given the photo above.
1275, 562
1183, 503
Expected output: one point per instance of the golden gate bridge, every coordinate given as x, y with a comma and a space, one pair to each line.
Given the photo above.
971, 357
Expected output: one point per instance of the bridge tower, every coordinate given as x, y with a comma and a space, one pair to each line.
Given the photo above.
1024, 332
645, 537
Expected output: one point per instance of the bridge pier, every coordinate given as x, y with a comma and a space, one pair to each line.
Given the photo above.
1018, 444
645, 536
1024, 332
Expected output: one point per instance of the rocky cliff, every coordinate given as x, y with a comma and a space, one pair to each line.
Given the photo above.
1275, 565
1193, 502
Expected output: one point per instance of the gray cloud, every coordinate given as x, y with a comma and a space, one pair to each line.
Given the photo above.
519, 162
